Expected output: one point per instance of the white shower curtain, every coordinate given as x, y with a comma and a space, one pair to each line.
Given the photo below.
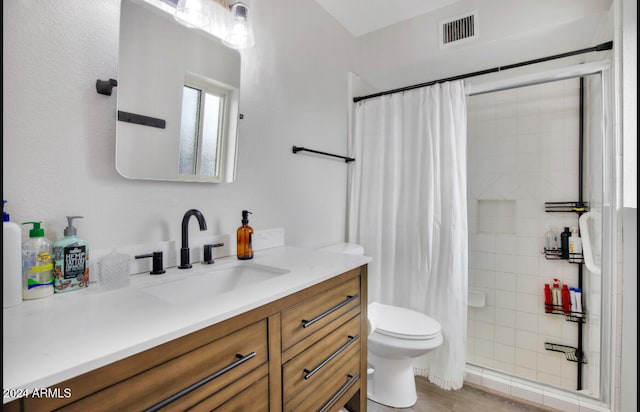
408, 208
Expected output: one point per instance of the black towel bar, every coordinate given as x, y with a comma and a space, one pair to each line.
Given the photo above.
297, 149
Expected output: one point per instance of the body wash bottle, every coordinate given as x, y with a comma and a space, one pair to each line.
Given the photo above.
244, 233
71, 260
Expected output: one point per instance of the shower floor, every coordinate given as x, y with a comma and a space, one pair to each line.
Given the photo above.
431, 398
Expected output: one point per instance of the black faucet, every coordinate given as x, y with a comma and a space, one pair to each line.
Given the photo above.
184, 250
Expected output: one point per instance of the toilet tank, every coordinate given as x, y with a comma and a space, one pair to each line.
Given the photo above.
345, 248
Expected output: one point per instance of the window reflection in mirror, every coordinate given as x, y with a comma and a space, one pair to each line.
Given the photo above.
203, 125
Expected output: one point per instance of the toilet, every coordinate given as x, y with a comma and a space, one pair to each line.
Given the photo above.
396, 336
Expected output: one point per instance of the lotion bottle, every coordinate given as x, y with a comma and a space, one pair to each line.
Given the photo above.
71, 260
244, 248
11, 261
37, 264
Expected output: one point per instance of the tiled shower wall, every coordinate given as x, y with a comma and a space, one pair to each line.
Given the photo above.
522, 152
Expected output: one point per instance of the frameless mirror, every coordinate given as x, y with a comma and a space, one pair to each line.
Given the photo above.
178, 97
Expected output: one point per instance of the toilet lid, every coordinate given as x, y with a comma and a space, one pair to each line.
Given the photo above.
406, 324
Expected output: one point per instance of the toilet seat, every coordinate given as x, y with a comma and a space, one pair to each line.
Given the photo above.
404, 323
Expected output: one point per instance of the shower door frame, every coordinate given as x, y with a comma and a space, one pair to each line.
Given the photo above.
608, 298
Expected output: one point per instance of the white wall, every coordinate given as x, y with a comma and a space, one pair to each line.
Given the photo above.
59, 134
508, 32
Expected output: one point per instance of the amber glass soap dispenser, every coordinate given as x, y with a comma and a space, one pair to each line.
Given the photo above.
244, 248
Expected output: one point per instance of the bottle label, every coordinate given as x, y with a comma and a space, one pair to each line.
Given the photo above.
39, 274
71, 269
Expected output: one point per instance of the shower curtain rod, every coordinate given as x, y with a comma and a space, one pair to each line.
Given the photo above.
601, 47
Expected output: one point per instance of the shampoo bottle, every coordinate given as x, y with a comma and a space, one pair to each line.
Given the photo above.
575, 246
548, 299
564, 242
566, 299
11, 261
37, 264
578, 294
551, 240
244, 233
71, 258
572, 294
556, 295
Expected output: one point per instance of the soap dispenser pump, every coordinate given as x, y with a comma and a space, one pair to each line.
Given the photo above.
244, 248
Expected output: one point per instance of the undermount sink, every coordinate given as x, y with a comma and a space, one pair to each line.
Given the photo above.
209, 281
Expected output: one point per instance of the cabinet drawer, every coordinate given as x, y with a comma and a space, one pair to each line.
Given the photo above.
254, 399
201, 399
214, 365
326, 393
310, 316
323, 360
249, 393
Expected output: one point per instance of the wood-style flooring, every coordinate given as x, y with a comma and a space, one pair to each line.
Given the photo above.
432, 398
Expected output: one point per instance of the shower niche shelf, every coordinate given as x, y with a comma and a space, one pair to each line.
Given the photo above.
571, 354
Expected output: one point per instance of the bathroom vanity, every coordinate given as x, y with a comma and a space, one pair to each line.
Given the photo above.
296, 341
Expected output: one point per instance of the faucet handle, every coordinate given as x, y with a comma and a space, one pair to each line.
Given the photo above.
157, 262
208, 252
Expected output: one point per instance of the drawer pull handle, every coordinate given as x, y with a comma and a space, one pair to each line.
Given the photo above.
241, 359
310, 373
352, 378
306, 323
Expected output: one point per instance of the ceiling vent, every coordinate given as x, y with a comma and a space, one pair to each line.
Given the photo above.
459, 29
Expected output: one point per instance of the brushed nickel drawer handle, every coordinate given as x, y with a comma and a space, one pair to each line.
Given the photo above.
310, 373
241, 359
352, 378
350, 298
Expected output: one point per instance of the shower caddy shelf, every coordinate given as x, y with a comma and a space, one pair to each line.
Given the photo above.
556, 254
572, 316
571, 354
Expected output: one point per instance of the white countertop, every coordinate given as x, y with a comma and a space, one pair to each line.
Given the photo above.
49, 340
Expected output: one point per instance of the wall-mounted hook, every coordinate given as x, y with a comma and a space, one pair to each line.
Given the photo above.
106, 86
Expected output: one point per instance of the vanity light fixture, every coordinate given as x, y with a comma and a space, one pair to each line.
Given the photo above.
226, 19
240, 33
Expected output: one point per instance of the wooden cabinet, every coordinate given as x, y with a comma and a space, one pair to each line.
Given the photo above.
304, 352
